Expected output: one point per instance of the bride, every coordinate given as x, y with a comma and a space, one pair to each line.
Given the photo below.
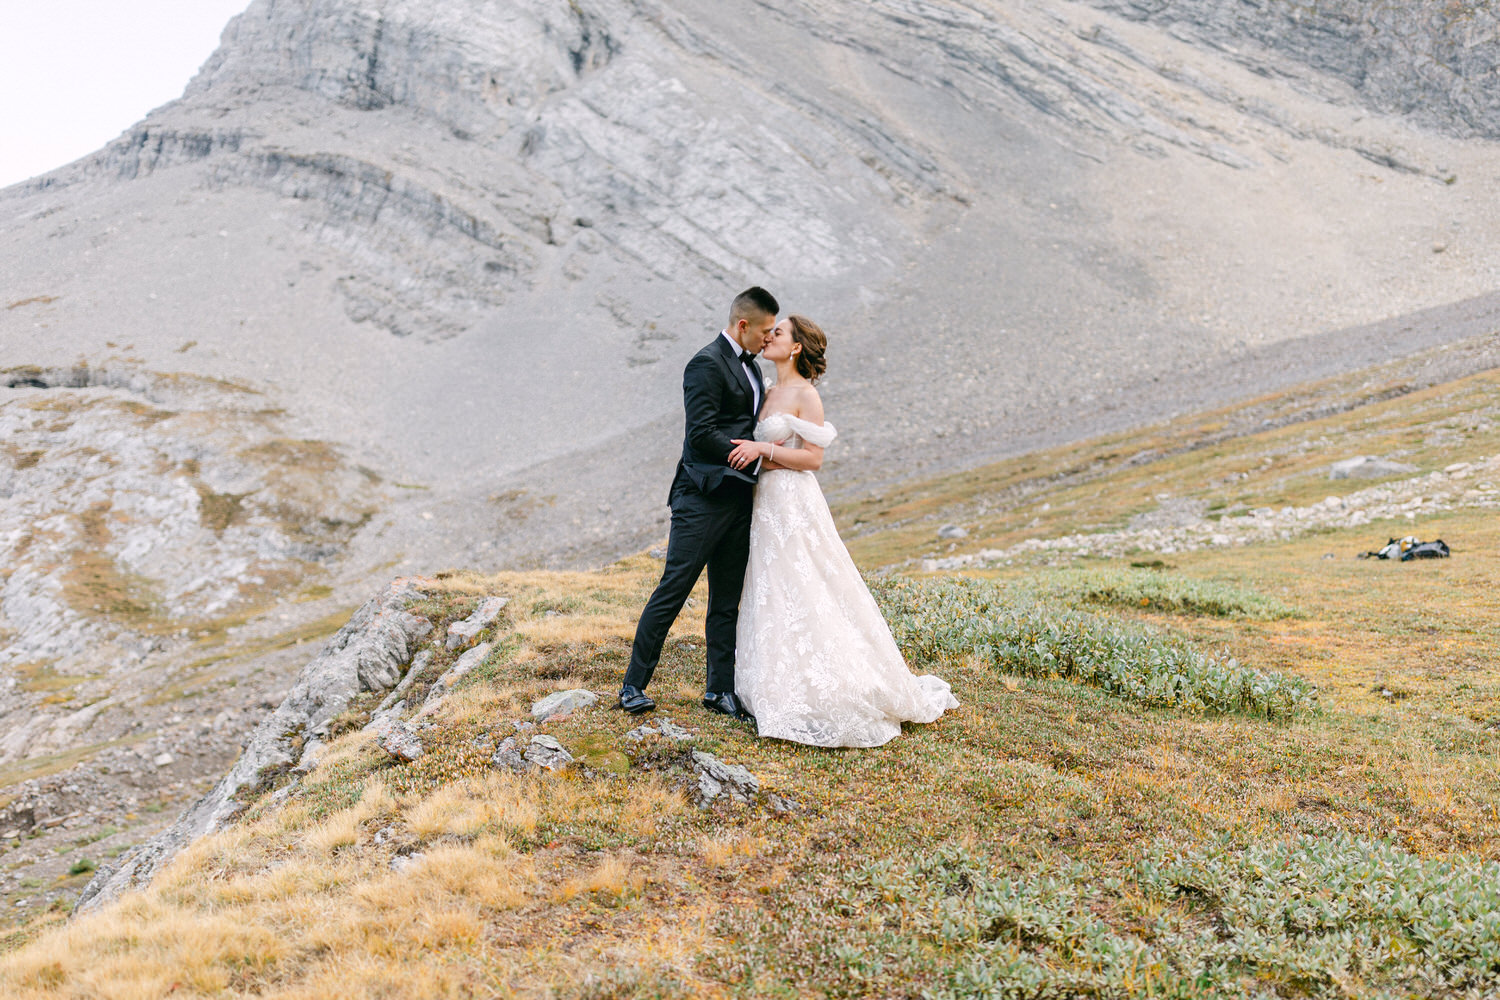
814, 662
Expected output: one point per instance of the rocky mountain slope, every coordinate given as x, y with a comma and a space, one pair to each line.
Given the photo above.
1428, 60
399, 286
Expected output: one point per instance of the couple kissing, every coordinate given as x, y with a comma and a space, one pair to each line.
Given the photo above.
795, 643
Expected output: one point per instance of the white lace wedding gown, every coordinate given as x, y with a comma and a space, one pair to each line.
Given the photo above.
814, 659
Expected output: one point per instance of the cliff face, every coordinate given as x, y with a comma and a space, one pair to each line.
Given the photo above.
444, 153
443, 149
470, 67
1432, 60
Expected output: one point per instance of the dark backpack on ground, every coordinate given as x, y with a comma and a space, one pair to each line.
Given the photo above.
1409, 548
1426, 550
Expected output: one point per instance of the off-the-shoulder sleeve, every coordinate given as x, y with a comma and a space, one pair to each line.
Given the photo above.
821, 435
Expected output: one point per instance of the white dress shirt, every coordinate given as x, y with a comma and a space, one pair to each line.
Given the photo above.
754, 382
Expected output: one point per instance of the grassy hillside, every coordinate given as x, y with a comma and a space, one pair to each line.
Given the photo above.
1237, 770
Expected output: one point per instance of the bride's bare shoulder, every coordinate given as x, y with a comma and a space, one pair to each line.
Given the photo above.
809, 404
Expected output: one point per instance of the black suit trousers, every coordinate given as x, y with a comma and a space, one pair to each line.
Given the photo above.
707, 531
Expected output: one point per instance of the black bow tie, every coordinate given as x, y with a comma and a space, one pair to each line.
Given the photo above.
747, 358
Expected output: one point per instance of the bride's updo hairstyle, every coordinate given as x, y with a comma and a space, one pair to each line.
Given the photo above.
810, 363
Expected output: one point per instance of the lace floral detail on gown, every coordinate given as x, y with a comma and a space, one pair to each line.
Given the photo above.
815, 661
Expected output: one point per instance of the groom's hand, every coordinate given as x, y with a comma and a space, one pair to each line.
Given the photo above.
745, 453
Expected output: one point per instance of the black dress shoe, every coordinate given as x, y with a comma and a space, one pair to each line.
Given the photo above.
634, 700
725, 703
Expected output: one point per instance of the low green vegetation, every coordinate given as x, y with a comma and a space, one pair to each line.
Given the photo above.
943, 620
1312, 916
1163, 591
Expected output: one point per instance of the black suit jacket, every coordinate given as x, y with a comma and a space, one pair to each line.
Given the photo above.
719, 403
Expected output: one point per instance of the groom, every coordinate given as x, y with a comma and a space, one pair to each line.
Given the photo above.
710, 501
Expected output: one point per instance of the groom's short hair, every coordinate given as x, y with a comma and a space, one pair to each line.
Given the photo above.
753, 301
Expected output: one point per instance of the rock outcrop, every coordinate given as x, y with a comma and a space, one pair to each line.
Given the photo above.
139, 515
1431, 59
368, 654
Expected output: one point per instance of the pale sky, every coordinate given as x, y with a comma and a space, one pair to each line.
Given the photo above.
74, 74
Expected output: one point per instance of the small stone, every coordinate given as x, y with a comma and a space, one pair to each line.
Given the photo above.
506, 755
546, 752
462, 634
1457, 467
162, 759
672, 731
541, 751
400, 742
952, 531
560, 703
666, 728
401, 862
718, 780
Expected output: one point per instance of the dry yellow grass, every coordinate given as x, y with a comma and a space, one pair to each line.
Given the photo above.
488, 872
722, 850
613, 878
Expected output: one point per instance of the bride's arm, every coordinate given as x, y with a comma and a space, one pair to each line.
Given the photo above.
808, 458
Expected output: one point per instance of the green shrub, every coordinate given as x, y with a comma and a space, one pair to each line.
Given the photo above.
1339, 907
1328, 916
943, 620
